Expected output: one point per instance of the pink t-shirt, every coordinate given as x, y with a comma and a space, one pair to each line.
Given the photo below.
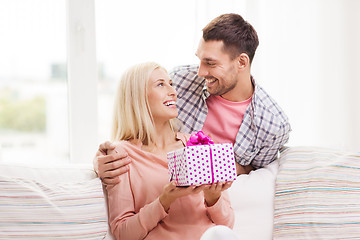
224, 118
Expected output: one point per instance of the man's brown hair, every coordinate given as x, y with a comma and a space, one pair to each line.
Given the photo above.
237, 35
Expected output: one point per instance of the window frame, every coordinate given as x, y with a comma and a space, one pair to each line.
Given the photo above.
82, 80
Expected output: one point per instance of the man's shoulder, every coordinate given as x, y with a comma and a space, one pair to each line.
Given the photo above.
184, 70
267, 107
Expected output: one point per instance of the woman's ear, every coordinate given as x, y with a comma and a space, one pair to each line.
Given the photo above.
243, 61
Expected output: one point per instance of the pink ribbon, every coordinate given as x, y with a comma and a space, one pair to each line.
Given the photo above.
176, 174
211, 163
199, 138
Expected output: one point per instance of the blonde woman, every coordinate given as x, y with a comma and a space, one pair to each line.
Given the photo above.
144, 205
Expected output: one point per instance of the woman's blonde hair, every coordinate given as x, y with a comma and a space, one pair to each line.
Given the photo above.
132, 116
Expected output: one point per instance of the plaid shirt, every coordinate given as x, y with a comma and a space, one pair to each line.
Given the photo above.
263, 131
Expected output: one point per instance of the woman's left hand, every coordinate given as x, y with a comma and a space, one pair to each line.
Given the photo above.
212, 192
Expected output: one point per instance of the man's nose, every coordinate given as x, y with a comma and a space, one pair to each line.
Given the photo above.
202, 72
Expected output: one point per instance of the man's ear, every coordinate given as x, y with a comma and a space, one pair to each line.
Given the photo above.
243, 61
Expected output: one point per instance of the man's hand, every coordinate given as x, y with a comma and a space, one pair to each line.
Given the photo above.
240, 169
110, 163
213, 192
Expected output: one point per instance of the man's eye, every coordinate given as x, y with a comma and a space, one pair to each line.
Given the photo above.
210, 64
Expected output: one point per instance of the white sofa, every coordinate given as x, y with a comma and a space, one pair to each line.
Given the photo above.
285, 200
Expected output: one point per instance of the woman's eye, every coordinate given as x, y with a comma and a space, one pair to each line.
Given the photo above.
160, 84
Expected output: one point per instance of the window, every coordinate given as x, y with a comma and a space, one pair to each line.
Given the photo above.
33, 83
56, 88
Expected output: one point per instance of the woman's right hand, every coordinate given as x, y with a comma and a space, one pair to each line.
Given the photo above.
171, 193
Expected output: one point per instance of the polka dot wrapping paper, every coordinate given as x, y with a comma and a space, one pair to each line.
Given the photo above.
202, 164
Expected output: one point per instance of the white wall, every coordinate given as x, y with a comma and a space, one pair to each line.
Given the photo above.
307, 60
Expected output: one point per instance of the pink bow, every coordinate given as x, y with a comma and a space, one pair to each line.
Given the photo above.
199, 138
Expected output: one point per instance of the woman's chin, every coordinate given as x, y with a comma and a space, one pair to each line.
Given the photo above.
173, 115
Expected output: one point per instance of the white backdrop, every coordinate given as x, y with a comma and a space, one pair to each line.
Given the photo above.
308, 60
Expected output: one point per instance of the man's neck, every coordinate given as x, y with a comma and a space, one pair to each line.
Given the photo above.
242, 91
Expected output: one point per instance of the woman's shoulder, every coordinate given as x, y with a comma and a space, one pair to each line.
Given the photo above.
184, 137
126, 144
120, 143
182, 134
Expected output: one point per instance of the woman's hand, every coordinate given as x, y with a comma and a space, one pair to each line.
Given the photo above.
212, 192
171, 193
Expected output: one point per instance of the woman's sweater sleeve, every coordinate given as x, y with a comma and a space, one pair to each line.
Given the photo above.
221, 213
125, 222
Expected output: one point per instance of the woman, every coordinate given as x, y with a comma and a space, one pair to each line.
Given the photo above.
144, 205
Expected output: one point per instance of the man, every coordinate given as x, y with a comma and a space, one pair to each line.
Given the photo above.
221, 98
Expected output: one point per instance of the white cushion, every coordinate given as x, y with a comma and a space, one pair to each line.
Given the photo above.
252, 198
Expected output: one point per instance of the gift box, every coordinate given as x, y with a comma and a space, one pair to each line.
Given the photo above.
202, 162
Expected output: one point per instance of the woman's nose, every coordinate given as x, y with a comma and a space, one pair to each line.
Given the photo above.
172, 91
